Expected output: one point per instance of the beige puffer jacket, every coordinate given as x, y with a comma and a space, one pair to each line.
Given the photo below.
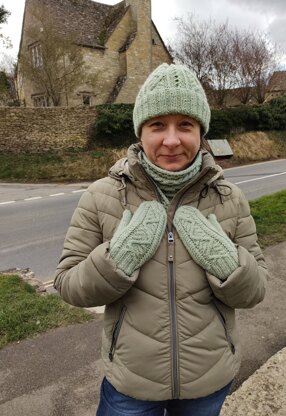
169, 329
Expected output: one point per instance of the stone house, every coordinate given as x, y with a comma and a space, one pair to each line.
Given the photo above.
277, 85
120, 44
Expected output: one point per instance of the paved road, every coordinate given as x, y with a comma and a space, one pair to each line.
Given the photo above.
33, 222
34, 218
259, 179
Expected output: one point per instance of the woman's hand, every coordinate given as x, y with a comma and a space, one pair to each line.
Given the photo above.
138, 237
206, 242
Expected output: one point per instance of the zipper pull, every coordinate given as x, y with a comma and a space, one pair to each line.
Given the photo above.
170, 237
170, 247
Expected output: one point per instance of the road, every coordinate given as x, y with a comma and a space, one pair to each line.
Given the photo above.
34, 218
259, 179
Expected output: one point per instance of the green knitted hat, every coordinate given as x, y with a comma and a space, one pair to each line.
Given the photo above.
171, 89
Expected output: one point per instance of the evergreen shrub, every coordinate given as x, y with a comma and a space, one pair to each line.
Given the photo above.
268, 116
114, 125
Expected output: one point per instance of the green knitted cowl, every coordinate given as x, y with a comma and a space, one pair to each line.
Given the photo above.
167, 182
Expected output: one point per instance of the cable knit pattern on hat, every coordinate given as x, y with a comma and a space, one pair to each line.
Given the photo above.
137, 238
171, 89
206, 242
169, 183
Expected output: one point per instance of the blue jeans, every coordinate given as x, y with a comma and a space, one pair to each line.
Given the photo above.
113, 403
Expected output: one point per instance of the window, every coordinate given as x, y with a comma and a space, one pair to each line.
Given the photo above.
87, 99
40, 101
36, 53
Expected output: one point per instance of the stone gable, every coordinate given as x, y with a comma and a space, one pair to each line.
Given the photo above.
277, 85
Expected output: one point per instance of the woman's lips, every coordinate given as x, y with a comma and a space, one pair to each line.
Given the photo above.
171, 156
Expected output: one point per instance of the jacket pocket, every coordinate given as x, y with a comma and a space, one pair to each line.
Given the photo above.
223, 321
115, 332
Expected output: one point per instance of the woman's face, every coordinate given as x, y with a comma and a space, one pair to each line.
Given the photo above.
171, 142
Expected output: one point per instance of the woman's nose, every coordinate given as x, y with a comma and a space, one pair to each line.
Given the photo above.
171, 137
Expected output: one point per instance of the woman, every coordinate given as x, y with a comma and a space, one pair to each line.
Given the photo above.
170, 248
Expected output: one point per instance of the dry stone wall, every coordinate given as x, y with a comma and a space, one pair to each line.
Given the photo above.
35, 130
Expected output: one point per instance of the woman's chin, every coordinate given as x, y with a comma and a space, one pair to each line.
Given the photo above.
173, 166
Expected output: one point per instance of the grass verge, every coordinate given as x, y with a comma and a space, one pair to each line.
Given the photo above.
269, 213
59, 167
24, 313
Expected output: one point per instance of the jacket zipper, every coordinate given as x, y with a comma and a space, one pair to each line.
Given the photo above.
175, 384
116, 332
223, 321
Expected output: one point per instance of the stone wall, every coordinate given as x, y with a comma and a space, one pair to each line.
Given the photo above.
34, 130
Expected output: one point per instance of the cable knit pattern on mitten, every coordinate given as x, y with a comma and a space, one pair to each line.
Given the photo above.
206, 242
138, 237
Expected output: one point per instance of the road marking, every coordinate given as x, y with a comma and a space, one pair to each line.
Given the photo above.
60, 193
33, 198
35, 243
41, 197
255, 164
7, 202
263, 177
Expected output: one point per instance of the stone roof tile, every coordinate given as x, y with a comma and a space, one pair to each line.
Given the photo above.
92, 22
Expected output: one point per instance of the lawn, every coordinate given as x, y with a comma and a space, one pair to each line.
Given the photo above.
269, 213
24, 313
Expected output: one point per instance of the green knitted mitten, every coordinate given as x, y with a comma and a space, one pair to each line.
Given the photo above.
206, 242
137, 238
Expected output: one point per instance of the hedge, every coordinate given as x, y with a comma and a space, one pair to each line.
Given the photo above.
114, 126
269, 116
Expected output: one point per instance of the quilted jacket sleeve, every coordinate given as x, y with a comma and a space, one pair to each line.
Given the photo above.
86, 275
246, 286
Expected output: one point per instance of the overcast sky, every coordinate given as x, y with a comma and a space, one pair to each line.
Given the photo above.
268, 16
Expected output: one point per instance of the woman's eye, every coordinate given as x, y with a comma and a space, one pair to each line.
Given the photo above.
157, 124
186, 124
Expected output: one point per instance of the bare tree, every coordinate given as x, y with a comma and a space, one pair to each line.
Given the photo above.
53, 63
8, 93
223, 67
205, 47
265, 56
192, 45
226, 61
256, 58
244, 66
8, 66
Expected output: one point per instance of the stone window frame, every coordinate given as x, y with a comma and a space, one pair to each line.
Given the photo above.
86, 98
40, 100
36, 54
